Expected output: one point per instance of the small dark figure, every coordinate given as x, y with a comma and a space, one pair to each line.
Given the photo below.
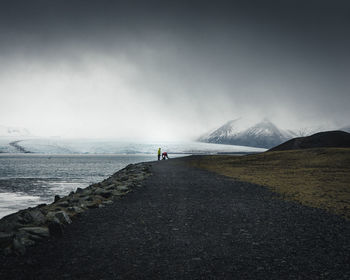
159, 152
165, 156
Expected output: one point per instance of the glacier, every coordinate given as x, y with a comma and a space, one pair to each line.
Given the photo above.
92, 146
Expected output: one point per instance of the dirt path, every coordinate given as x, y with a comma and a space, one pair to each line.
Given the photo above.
186, 223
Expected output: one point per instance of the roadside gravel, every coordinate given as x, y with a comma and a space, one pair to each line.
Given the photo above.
186, 223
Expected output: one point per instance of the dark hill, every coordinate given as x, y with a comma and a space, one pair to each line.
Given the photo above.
327, 139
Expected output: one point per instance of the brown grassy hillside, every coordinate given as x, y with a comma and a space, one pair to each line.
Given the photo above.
314, 177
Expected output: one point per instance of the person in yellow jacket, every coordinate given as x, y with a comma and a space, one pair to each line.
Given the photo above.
159, 152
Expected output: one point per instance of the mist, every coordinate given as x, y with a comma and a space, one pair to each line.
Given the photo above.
170, 71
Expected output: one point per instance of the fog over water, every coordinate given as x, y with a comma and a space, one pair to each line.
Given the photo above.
171, 70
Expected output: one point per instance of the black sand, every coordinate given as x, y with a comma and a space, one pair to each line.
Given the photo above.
186, 223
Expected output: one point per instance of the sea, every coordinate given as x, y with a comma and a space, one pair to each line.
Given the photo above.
27, 180
59, 167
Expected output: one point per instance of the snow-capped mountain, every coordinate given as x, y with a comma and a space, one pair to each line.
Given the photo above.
6, 131
263, 134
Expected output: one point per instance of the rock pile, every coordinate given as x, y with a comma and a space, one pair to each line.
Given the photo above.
26, 227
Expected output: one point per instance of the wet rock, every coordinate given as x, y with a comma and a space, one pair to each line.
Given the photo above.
83, 206
31, 216
37, 217
107, 194
129, 166
75, 209
57, 198
102, 192
117, 193
38, 231
122, 188
63, 204
92, 205
79, 190
24, 217
21, 241
146, 169
75, 200
84, 198
10, 223
61, 216
111, 187
106, 202
124, 178
98, 190
138, 177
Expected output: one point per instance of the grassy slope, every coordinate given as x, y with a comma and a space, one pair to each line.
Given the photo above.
314, 177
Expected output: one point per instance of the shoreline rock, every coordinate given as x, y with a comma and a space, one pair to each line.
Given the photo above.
27, 227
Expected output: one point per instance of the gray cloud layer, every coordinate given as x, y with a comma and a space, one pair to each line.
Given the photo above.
154, 69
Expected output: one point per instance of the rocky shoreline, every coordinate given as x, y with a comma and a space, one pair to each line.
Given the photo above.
27, 227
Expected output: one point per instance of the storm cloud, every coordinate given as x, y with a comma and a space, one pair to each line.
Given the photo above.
172, 69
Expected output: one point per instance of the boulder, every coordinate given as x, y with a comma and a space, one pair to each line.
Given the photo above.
83, 199
21, 241
124, 178
63, 217
60, 216
79, 190
106, 202
103, 193
122, 188
111, 187
40, 232
75, 209
10, 223
30, 216
63, 204
93, 204
75, 200
37, 216
98, 190
118, 193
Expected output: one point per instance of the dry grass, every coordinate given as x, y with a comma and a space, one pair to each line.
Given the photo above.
314, 177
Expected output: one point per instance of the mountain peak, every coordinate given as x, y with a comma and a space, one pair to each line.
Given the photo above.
246, 132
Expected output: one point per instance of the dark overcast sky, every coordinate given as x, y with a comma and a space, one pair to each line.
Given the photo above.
126, 68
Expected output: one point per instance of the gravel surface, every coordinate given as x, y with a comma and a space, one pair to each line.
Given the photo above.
186, 223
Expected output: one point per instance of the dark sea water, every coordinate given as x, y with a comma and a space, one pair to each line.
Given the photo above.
30, 179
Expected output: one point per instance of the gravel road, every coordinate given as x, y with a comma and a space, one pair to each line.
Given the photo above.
186, 223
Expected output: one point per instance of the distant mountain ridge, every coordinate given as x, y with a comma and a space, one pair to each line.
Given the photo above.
263, 134
327, 139
6, 131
